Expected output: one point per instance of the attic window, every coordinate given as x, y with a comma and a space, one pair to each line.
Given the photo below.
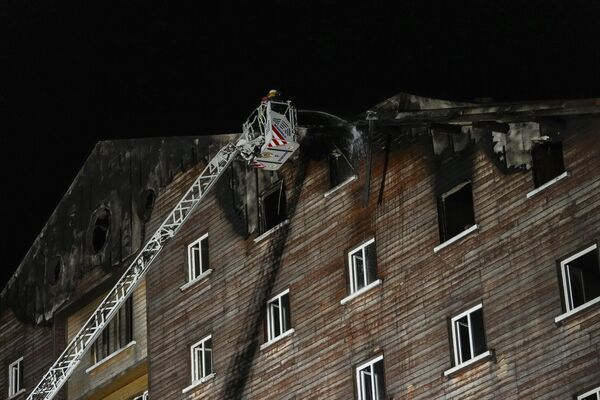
100, 229
146, 204
455, 211
340, 169
547, 159
53, 270
272, 207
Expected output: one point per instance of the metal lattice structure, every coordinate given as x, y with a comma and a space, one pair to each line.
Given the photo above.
63, 367
250, 144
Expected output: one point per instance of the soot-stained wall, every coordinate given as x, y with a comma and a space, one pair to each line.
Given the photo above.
100, 222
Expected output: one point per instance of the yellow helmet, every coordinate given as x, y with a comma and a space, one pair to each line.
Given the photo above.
272, 94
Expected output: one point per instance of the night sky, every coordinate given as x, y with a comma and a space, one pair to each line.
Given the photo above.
76, 72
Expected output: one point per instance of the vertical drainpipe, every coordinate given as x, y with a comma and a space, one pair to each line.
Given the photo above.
371, 118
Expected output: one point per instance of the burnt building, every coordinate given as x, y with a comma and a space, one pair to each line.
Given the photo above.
429, 249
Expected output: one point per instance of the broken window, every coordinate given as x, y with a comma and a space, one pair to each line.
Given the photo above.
580, 275
272, 207
455, 211
100, 229
15, 377
202, 360
593, 394
198, 258
468, 336
547, 162
278, 315
362, 262
369, 380
53, 270
340, 169
146, 206
116, 335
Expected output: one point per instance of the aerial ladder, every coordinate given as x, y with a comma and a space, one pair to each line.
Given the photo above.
268, 140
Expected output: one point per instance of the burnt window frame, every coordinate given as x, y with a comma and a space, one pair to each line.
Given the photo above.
334, 179
565, 281
539, 168
203, 257
101, 212
457, 356
360, 386
443, 211
114, 338
278, 186
17, 381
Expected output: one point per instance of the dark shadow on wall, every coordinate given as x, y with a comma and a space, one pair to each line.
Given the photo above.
249, 342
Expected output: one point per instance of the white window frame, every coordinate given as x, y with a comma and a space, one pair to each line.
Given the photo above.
566, 281
14, 379
195, 362
192, 261
351, 266
360, 388
595, 391
270, 320
458, 361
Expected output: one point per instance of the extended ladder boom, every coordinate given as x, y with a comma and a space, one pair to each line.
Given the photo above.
252, 144
66, 363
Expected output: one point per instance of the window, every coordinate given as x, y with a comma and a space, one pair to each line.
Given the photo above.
369, 380
116, 335
468, 335
580, 275
362, 262
547, 162
198, 257
15, 377
202, 364
340, 169
593, 394
278, 315
455, 211
272, 207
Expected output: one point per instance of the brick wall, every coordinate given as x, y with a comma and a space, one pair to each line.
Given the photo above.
508, 264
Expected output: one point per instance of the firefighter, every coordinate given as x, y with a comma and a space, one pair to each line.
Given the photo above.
273, 95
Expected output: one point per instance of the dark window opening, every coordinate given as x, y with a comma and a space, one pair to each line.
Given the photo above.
370, 381
116, 335
455, 211
582, 279
100, 231
547, 162
273, 207
340, 169
147, 204
53, 270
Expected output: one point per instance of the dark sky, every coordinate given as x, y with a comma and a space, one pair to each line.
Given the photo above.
74, 72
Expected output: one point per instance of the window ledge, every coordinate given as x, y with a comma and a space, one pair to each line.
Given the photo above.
548, 184
196, 280
16, 394
198, 383
485, 356
338, 187
110, 356
285, 334
361, 291
571, 313
456, 238
273, 229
